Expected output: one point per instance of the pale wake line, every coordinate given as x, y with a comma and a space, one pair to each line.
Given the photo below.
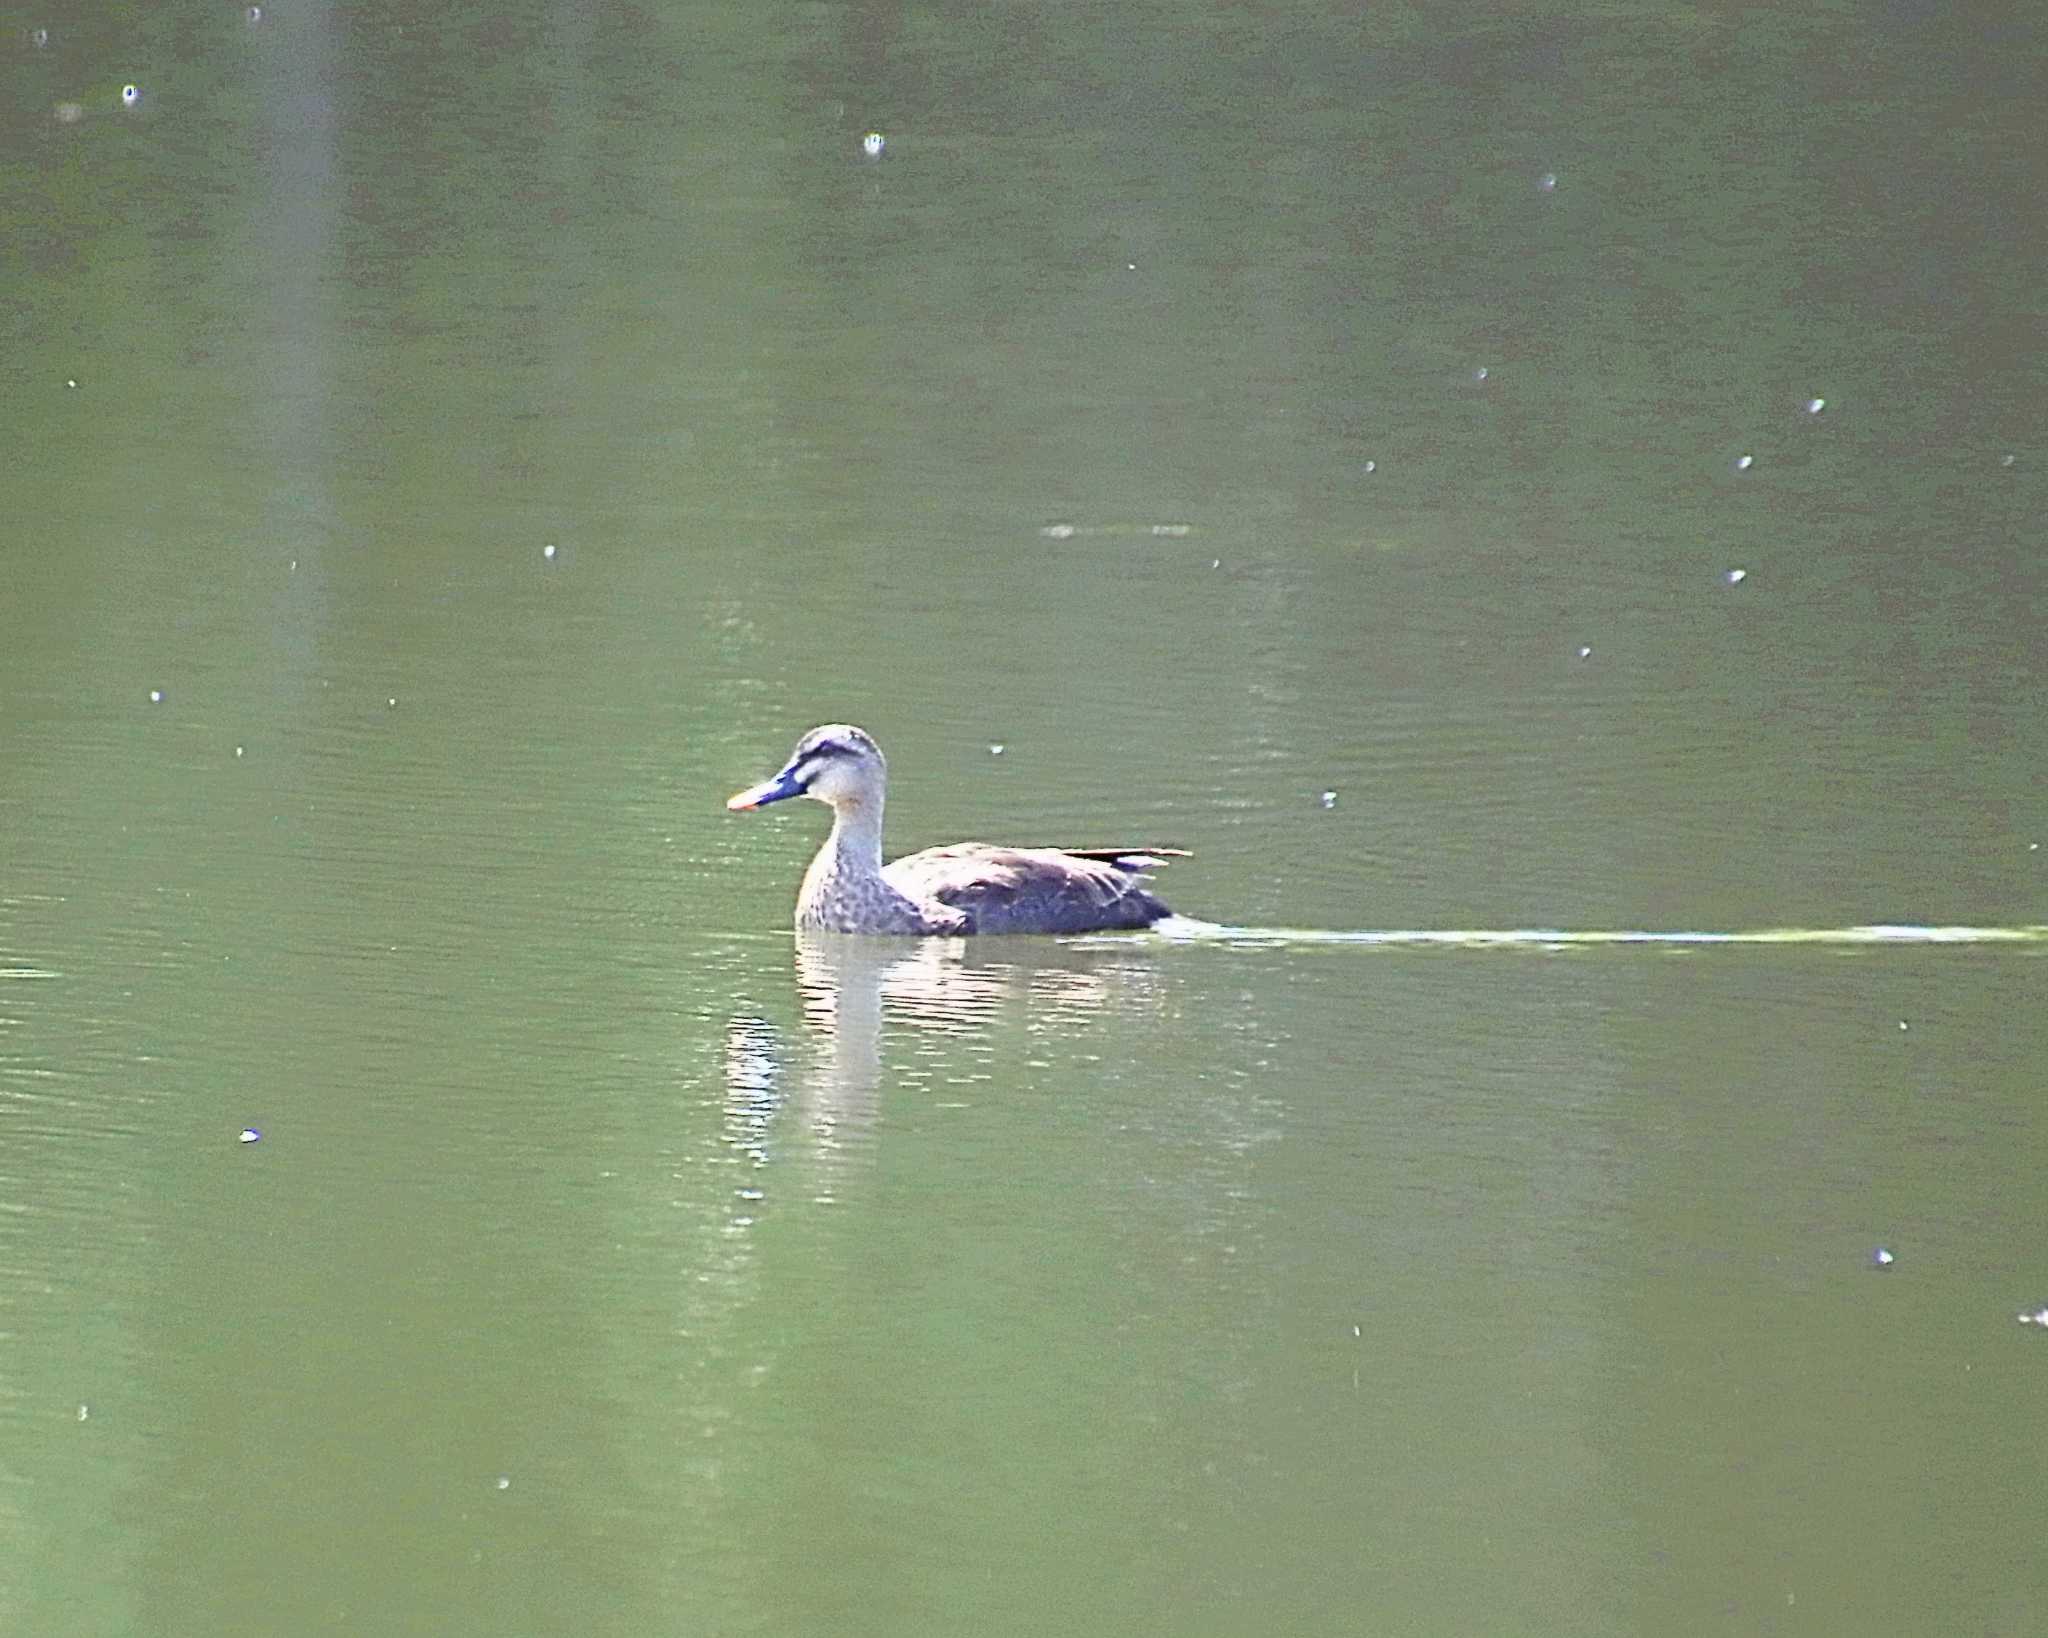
1554, 938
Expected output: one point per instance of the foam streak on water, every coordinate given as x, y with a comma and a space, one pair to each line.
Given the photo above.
1552, 938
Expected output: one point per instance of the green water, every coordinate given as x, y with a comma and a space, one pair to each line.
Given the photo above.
1452, 1239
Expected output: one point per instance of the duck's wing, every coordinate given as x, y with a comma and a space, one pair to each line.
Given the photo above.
1124, 858
1032, 889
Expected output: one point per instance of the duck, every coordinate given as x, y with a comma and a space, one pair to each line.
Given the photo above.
967, 887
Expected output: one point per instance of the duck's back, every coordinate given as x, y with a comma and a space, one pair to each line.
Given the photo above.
1029, 889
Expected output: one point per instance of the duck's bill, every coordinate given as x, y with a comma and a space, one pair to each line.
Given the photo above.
779, 789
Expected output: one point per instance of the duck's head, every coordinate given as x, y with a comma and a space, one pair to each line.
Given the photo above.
837, 764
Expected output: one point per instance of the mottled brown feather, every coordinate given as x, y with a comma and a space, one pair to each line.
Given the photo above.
1026, 890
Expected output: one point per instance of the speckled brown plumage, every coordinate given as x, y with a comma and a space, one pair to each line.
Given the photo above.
970, 887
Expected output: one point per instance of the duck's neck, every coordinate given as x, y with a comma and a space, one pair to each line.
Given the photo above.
855, 845
845, 890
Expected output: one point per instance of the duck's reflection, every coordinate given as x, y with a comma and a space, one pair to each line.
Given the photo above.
848, 986
844, 980
855, 991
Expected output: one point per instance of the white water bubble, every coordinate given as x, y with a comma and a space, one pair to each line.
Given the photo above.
1058, 531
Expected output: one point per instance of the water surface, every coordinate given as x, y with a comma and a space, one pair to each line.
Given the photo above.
452, 451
